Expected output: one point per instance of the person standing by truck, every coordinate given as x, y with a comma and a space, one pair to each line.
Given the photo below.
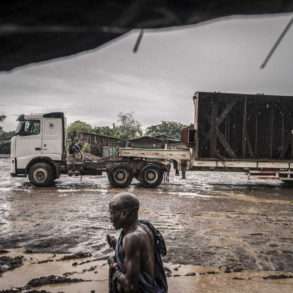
137, 266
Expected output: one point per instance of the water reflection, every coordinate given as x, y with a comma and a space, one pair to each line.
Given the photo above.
208, 219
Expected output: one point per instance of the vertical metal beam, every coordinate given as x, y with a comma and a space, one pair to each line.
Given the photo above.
272, 117
196, 118
227, 124
244, 127
291, 137
250, 151
256, 135
213, 131
282, 136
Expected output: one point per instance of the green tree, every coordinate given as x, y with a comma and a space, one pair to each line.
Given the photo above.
171, 129
78, 126
107, 130
128, 126
2, 117
5, 137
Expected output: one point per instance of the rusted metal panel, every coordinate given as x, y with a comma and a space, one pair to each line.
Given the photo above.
243, 126
188, 136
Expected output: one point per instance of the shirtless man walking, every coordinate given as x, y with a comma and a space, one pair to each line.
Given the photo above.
137, 265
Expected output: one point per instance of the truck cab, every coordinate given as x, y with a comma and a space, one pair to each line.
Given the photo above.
38, 147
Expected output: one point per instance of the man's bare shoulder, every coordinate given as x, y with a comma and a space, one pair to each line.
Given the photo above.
137, 237
136, 234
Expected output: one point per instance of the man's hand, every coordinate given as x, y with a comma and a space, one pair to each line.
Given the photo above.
112, 263
111, 241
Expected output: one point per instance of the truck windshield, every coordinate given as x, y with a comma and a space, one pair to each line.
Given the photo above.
28, 127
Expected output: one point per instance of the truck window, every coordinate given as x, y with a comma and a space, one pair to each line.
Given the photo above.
31, 127
19, 127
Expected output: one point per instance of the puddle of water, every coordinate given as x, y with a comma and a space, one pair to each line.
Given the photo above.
181, 278
202, 221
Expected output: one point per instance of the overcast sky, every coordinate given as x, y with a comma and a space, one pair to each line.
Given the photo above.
158, 82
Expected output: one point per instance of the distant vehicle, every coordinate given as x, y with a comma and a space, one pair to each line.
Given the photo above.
231, 132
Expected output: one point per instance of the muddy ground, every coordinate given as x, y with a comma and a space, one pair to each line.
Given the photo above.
219, 220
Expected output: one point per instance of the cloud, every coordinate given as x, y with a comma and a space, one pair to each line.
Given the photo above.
159, 81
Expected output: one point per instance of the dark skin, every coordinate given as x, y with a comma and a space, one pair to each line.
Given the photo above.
138, 244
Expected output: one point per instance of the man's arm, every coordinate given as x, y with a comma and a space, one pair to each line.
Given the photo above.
111, 241
132, 260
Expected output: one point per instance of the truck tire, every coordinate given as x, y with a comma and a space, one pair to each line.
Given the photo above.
151, 176
41, 174
120, 176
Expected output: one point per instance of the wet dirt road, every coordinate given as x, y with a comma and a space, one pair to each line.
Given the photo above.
221, 220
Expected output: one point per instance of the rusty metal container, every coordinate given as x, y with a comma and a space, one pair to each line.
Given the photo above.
243, 126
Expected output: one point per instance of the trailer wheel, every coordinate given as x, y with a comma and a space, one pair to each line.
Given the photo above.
41, 174
120, 176
151, 176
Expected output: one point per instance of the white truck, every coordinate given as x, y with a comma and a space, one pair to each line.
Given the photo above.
39, 151
231, 132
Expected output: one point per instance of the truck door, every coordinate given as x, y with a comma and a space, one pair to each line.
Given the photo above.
28, 142
52, 139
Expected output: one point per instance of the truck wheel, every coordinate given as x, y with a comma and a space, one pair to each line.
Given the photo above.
41, 174
120, 176
151, 176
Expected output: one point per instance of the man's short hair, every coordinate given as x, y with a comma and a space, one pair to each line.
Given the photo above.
124, 200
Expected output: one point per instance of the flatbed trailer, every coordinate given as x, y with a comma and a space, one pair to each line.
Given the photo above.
282, 170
